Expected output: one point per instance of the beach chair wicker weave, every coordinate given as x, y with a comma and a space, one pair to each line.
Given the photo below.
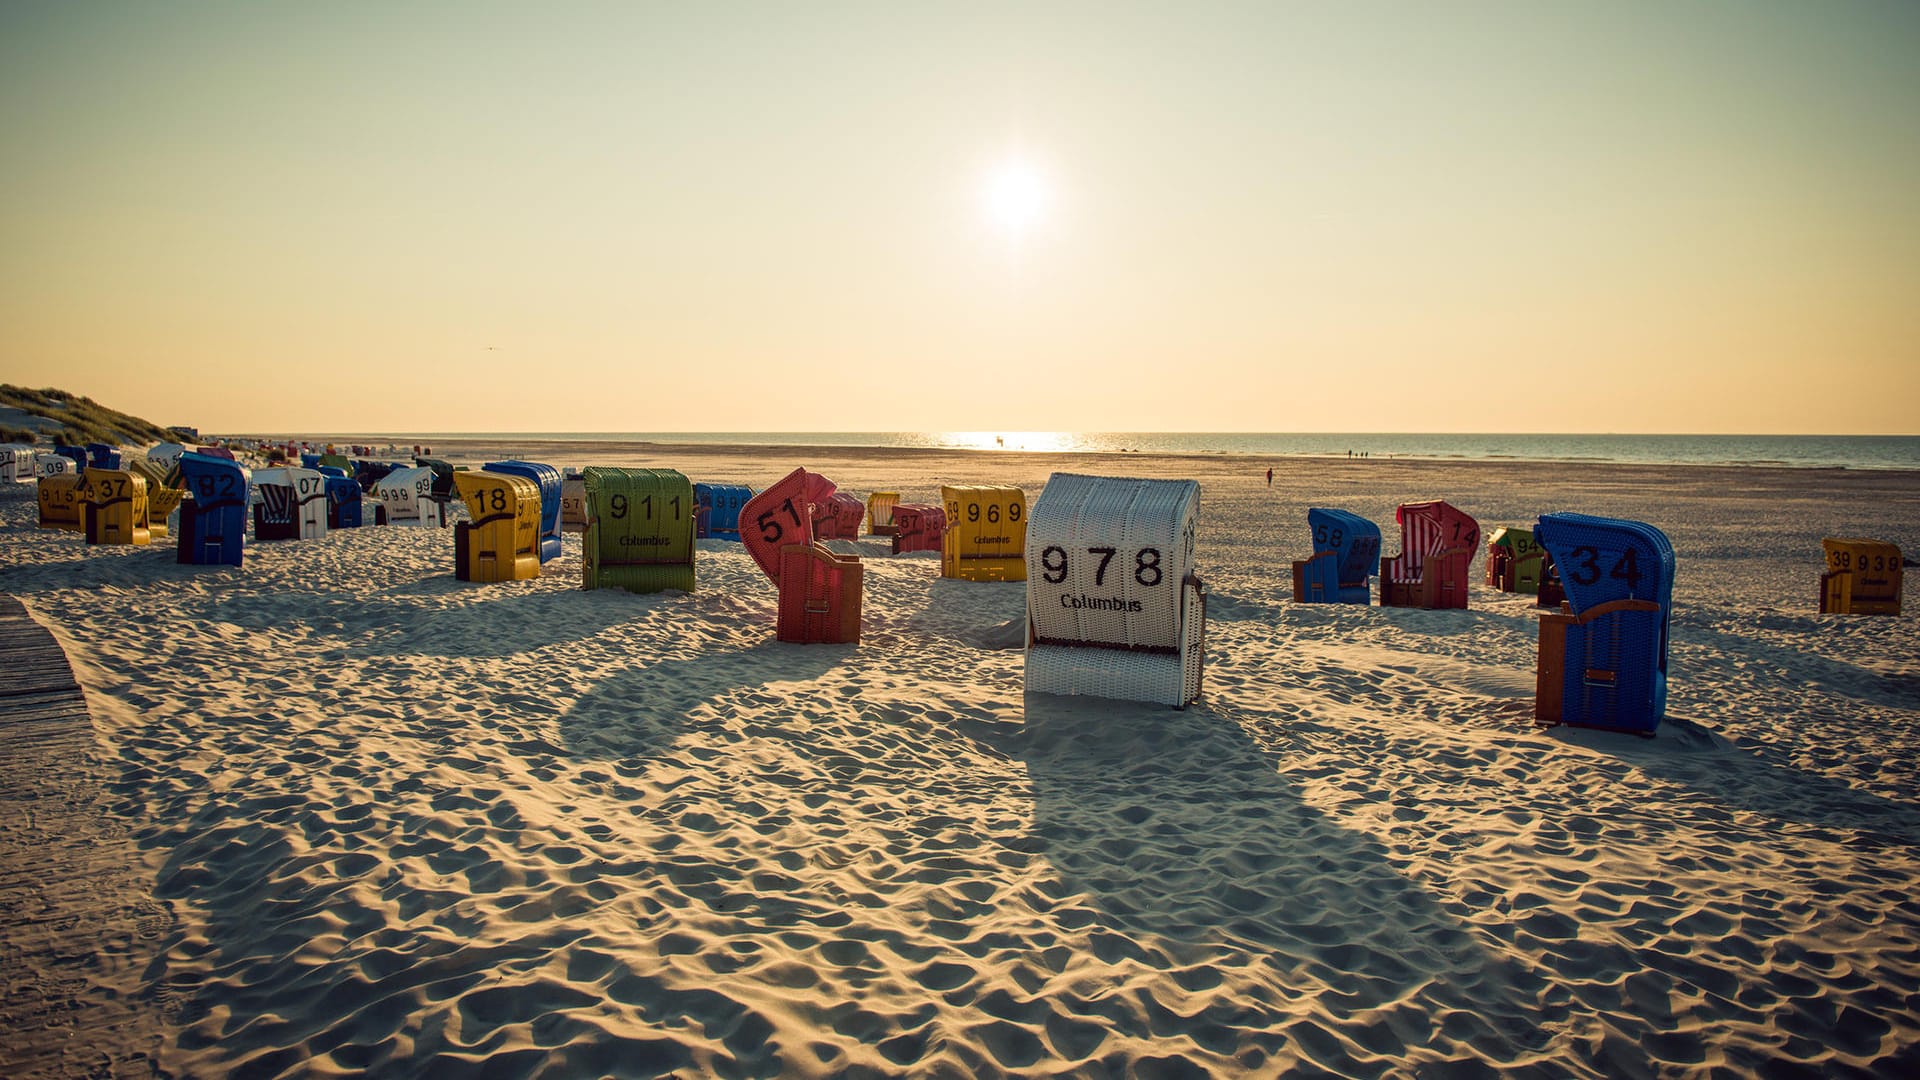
213, 526
839, 517
639, 530
986, 534
1437, 545
345, 505
1603, 657
1114, 607
547, 479
113, 507
1863, 577
500, 541
1345, 547
820, 591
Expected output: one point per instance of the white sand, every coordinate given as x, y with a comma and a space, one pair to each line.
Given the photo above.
413, 825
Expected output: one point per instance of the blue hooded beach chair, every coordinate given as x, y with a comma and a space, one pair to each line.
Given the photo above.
75, 454
547, 478
345, 508
718, 513
213, 524
101, 456
1345, 548
1603, 657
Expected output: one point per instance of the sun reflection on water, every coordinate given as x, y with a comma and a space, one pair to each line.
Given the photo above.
1028, 441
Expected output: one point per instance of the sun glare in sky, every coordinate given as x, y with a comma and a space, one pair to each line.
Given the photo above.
1017, 196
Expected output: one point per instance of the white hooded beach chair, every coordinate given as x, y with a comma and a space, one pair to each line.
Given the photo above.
1114, 608
406, 498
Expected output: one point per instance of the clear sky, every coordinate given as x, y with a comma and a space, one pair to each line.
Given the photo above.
1682, 216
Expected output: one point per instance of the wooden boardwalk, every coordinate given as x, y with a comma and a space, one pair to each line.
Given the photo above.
75, 901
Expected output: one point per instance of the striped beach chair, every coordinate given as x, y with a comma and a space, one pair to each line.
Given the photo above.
880, 506
1603, 657
1437, 545
1114, 607
293, 505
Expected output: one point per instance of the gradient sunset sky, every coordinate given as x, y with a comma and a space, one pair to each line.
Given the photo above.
1664, 217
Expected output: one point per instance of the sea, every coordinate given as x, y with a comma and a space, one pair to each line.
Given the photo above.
1789, 451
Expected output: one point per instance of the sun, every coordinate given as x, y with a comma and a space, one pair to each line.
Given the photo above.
1017, 196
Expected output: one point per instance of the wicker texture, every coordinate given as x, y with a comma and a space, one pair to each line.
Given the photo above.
548, 480
639, 530
406, 498
1613, 673
213, 526
1113, 606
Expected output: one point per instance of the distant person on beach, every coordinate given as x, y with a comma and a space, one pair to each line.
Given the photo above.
1269, 477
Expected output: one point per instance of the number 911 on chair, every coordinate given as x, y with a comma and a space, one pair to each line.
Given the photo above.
639, 530
1114, 608
985, 535
1603, 656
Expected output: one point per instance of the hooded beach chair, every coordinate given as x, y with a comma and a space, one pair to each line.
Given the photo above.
717, 510
839, 517
1603, 656
547, 479
501, 539
345, 503
406, 498
820, 591
74, 454
1114, 608
639, 530
45, 465
102, 456
16, 464
1515, 563
986, 534
1437, 545
368, 474
62, 497
1863, 577
880, 506
113, 507
293, 505
161, 504
337, 461
918, 527
573, 504
1345, 548
213, 524
443, 471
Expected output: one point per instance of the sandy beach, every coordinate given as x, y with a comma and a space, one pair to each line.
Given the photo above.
411, 826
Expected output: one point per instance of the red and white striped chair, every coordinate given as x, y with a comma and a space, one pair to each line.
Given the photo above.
1437, 545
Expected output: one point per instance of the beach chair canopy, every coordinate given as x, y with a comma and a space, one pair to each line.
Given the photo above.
547, 479
1114, 607
986, 533
1346, 548
114, 507
102, 456
1863, 577
293, 504
880, 506
213, 525
1437, 544
839, 517
406, 498
61, 496
780, 515
718, 515
1604, 663
918, 527
45, 465
500, 541
639, 530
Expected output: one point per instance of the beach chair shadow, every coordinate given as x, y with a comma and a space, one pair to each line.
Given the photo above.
1189, 849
